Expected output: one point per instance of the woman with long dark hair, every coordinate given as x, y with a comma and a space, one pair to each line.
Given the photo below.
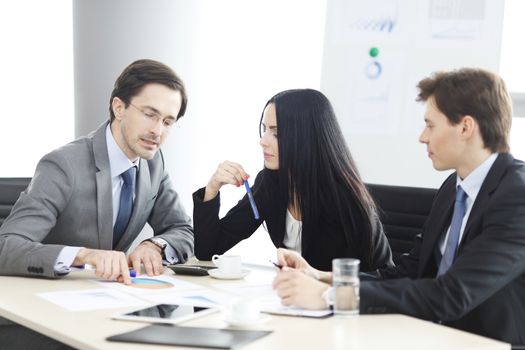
309, 194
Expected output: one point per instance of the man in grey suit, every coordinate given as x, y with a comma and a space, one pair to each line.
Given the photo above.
467, 267
89, 199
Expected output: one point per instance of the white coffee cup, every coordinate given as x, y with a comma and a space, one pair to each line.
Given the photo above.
245, 310
228, 264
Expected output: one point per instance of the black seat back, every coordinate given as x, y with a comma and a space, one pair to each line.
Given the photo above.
10, 188
403, 211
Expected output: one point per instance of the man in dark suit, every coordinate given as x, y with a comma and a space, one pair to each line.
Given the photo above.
467, 268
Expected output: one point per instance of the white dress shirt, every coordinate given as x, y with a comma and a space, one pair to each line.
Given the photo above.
471, 185
292, 236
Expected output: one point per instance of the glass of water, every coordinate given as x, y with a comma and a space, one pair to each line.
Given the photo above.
346, 286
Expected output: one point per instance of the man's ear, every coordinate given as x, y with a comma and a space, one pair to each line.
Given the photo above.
118, 106
469, 126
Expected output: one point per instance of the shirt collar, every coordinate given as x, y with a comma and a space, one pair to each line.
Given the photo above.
472, 183
118, 161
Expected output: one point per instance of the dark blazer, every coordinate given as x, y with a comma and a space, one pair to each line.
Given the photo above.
69, 203
214, 236
484, 290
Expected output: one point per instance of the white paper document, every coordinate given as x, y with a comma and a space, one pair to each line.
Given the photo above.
270, 301
91, 299
204, 297
144, 284
248, 290
170, 290
274, 306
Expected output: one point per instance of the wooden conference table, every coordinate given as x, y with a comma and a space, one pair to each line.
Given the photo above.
20, 303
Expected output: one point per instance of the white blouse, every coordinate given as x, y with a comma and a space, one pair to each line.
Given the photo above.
292, 236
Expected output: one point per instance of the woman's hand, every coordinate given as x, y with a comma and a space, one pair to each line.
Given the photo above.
227, 173
292, 259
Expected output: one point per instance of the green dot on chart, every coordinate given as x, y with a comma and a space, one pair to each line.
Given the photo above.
374, 51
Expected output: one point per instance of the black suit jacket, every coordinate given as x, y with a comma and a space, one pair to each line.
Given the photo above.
484, 290
214, 236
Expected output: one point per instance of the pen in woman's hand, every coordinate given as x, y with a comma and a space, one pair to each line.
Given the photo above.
252, 201
276, 265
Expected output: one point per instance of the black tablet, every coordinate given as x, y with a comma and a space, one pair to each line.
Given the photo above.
190, 336
166, 313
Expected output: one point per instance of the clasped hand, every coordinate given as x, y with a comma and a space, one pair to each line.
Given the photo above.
299, 284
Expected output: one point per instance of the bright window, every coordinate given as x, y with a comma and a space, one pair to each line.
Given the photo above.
36, 93
512, 64
512, 69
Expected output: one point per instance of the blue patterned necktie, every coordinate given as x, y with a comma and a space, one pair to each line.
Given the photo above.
453, 235
126, 204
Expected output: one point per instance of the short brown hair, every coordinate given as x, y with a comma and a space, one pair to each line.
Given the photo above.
475, 92
142, 72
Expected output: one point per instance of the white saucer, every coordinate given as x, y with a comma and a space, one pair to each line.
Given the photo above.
235, 323
215, 273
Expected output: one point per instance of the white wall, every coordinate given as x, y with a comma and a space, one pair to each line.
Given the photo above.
513, 70
512, 51
233, 56
36, 82
379, 115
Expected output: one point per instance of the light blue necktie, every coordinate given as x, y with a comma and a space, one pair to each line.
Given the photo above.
126, 204
453, 235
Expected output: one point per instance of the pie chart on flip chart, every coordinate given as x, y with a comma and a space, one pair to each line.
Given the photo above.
149, 283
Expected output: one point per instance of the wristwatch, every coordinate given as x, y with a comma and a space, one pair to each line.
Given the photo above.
329, 296
159, 242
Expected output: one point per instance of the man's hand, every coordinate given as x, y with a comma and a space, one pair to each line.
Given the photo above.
109, 265
298, 289
290, 258
149, 255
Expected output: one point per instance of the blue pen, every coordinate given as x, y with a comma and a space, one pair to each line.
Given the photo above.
252, 201
132, 273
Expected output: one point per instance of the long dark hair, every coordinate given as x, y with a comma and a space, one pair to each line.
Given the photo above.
316, 172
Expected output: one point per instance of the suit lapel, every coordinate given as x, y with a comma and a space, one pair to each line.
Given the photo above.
489, 185
142, 193
276, 204
104, 189
280, 223
437, 223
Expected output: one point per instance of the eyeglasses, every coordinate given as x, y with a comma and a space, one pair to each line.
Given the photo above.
167, 122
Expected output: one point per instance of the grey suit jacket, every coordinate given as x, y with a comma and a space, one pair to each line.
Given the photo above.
69, 203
